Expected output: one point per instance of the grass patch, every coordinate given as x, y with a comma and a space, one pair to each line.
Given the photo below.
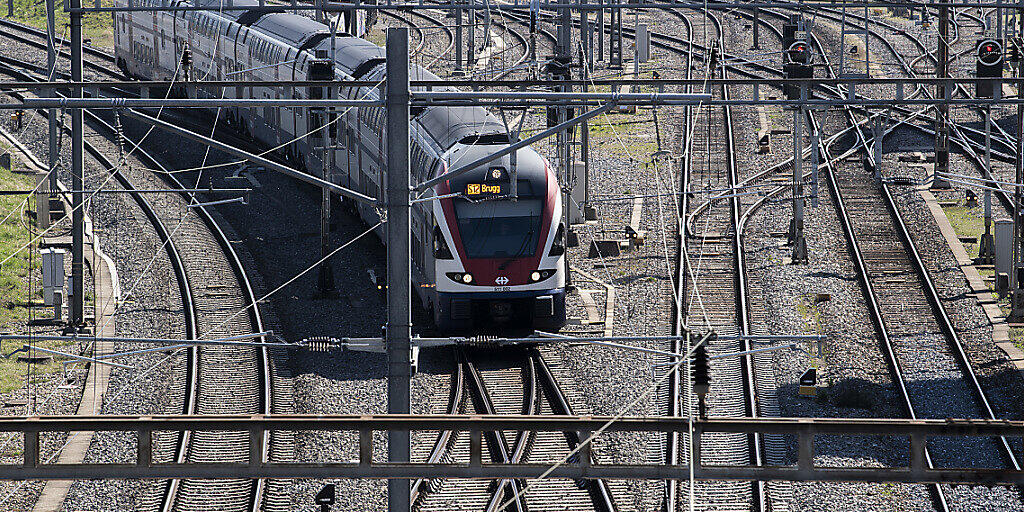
967, 222
14, 281
97, 27
13, 234
376, 35
970, 222
810, 310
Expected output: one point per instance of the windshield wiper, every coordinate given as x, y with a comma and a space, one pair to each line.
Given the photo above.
522, 247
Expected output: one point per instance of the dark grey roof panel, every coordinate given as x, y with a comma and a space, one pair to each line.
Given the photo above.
291, 28
351, 52
216, 4
529, 167
448, 125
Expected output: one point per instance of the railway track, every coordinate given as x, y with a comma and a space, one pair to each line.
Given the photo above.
917, 337
713, 297
519, 382
216, 380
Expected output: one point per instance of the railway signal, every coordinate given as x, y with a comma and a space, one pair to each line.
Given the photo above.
798, 65
789, 30
700, 373
557, 69
989, 65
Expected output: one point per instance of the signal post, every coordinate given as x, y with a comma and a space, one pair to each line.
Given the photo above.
797, 65
989, 54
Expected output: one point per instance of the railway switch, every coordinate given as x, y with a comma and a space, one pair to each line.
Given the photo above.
989, 65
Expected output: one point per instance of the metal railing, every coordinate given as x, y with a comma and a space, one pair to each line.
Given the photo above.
581, 467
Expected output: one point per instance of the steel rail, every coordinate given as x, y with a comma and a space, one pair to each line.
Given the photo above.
445, 438
759, 499
600, 493
747, 361
496, 440
531, 397
679, 311
192, 374
956, 345
191, 314
930, 289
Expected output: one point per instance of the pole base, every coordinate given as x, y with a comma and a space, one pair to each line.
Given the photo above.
940, 184
325, 288
986, 250
1016, 315
800, 250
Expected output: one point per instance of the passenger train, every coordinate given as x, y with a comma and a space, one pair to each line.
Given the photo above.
480, 258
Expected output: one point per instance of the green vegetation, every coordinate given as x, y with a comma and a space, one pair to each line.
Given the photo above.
14, 279
376, 34
807, 306
966, 222
13, 234
97, 27
970, 222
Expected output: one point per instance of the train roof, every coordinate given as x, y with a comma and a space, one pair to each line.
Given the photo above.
449, 125
350, 53
215, 5
295, 29
529, 167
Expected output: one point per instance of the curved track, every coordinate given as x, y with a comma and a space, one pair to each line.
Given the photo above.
217, 380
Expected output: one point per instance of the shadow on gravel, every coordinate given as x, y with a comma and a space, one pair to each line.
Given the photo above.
858, 398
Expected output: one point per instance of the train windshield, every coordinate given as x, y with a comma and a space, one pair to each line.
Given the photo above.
499, 228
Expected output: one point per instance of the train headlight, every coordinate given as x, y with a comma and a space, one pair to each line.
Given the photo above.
460, 277
540, 275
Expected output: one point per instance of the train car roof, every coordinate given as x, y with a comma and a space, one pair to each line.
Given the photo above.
448, 125
295, 29
350, 53
233, 14
529, 167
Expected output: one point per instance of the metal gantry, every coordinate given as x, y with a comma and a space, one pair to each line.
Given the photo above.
398, 99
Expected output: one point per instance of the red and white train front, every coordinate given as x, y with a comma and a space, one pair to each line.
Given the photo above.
499, 261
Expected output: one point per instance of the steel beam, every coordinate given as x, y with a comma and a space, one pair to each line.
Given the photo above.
399, 326
212, 103
722, 5
51, 115
822, 82
943, 91
77, 177
804, 428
